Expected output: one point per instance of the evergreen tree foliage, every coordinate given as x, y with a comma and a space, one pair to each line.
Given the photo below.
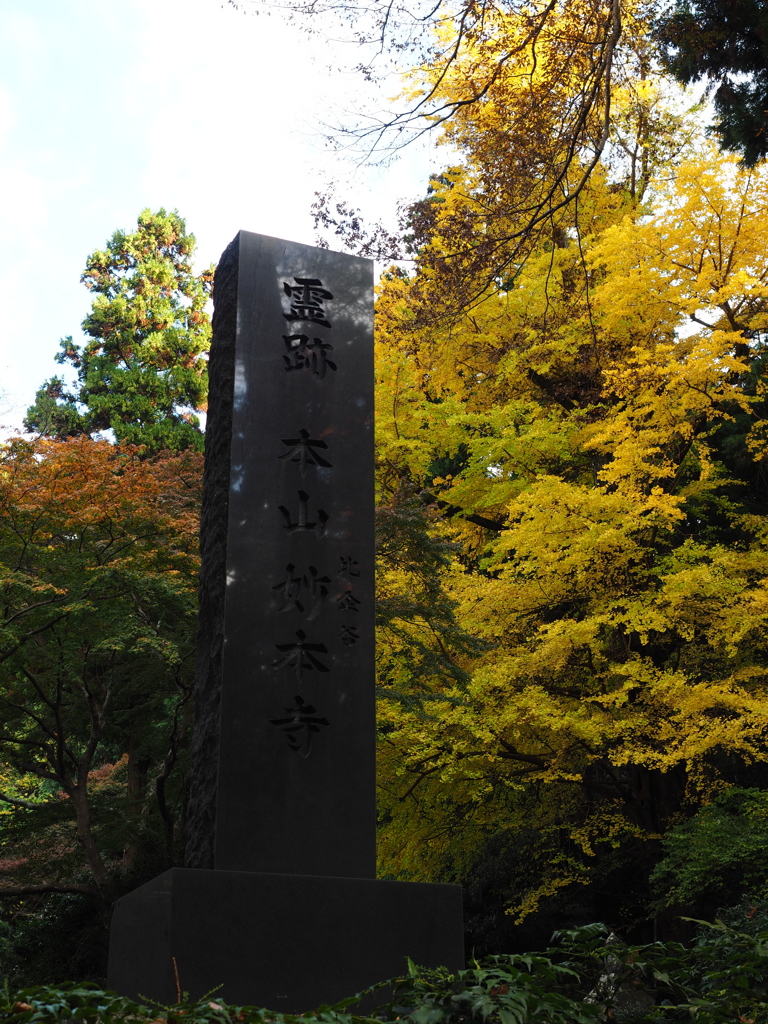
726, 43
142, 373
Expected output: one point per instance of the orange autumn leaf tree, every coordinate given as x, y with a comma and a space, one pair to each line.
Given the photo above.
98, 578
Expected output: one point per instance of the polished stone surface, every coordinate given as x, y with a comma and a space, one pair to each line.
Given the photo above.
284, 738
286, 942
297, 725
278, 900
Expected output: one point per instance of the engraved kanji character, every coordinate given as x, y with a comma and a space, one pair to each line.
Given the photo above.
307, 297
307, 353
301, 523
303, 451
291, 590
294, 588
301, 656
298, 727
349, 567
349, 635
348, 602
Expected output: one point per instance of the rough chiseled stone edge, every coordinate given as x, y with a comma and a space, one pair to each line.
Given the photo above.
201, 809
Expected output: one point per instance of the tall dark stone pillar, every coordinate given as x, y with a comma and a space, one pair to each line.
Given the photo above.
281, 823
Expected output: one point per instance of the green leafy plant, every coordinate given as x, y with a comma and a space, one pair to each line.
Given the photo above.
590, 975
718, 853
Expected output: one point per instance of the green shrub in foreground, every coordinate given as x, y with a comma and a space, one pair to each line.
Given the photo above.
589, 976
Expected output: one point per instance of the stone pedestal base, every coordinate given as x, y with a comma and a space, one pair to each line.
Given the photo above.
285, 942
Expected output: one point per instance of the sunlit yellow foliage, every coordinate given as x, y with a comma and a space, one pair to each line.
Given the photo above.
593, 433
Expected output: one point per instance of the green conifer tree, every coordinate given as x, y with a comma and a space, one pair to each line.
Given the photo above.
142, 371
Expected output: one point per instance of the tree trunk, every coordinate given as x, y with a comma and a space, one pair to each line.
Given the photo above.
136, 788
79, 797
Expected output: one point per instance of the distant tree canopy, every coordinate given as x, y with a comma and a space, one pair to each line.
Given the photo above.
98, 604
143, 373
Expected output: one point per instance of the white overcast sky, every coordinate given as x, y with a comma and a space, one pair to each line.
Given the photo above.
110, 106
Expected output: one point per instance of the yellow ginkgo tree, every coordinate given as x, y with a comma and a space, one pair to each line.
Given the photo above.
590, 435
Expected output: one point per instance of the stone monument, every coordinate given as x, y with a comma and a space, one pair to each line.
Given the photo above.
279, 902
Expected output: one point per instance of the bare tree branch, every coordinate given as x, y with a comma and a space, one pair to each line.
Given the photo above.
46, 887
16, 802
